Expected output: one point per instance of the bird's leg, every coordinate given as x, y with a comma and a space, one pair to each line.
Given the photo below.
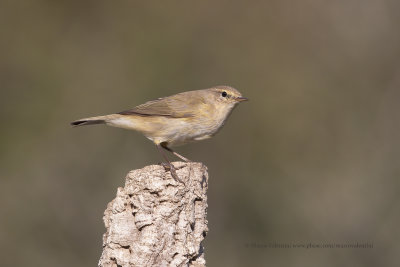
164, 145
168, 165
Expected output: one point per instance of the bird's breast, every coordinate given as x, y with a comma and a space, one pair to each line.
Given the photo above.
178, 131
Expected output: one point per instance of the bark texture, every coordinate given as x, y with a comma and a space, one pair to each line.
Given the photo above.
157, 221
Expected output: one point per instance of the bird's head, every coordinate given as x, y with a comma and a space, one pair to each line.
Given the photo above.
227, 95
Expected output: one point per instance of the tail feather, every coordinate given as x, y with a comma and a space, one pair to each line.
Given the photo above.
87, 122
92, 120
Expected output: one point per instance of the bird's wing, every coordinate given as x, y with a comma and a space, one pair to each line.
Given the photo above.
182, 105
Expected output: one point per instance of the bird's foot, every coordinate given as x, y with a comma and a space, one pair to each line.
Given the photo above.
169, 167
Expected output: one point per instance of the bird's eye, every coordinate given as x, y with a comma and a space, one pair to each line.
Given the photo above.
224, 94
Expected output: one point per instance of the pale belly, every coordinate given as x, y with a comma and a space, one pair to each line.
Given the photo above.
174, 131
181, 131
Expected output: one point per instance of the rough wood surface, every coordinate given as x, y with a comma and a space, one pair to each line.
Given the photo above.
157, 221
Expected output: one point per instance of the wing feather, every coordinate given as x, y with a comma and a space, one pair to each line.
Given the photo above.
180, 105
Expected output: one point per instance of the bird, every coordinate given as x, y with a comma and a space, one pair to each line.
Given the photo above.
177, 119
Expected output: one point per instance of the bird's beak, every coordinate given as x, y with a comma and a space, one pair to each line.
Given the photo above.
241, 99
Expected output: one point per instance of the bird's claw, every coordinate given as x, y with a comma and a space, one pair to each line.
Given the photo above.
169, 167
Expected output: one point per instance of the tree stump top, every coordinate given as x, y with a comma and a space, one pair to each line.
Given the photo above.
157, 221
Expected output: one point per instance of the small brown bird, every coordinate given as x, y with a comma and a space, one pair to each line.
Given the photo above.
177, 119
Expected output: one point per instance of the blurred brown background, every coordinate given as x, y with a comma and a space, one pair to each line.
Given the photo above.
313, 157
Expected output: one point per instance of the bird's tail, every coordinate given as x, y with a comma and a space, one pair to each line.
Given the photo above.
93, 120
